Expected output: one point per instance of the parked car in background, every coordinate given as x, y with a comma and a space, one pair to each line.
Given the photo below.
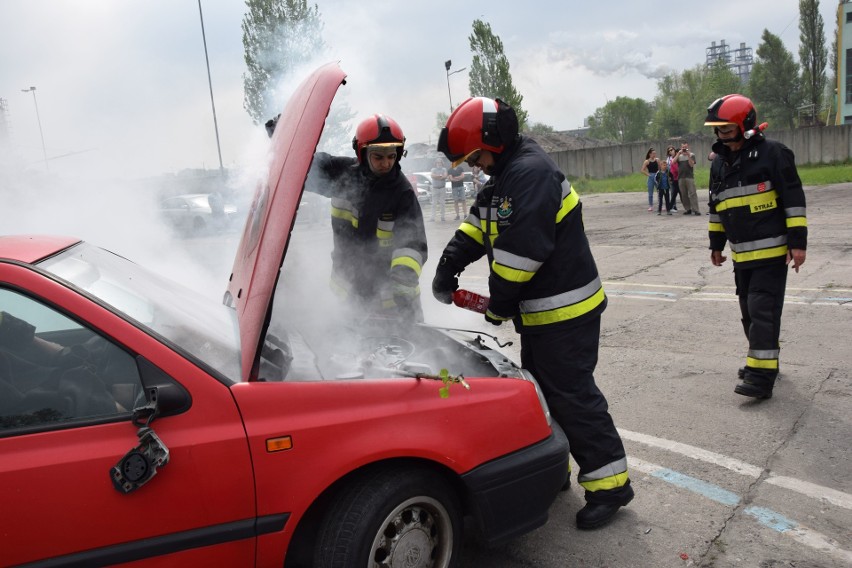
196, 214
424, 186
142, 423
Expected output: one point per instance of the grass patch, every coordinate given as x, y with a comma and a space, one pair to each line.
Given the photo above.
819, 174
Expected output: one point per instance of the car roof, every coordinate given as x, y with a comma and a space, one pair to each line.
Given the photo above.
273, 210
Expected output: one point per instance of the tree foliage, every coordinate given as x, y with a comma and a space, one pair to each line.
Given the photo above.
278, 36
774, 84
489, 72
682, 98
812, 54
539, 128
624, 119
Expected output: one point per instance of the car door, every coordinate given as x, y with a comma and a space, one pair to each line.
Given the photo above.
65, 425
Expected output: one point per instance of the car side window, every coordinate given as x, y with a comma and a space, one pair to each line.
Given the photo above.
54, 371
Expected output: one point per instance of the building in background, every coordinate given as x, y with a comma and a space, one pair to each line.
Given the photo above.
739, 60
844, 63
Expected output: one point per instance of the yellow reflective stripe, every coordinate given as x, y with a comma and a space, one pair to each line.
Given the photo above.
568, 204
759, 254
384, 234
492, 315
796, 222
471, 231
407, 261
511, 274
758, 199
345, 215
565, 312
610, 482
761, 363
716, 228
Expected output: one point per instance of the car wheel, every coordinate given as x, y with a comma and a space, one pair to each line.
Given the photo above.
397, 517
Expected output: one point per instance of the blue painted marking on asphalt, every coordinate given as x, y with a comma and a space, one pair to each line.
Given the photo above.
699, 486
640, 292
766, 517
771, 519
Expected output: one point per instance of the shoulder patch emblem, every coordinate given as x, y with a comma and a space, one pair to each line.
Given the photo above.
505, 208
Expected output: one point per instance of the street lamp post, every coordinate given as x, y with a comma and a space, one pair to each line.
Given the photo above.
210, 84
38, 118
447, 64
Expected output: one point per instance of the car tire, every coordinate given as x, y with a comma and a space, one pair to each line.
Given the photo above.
394, 517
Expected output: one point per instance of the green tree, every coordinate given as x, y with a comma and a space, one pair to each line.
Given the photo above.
539, 128
489, 72
774, 83
812, 54
278, 36
623, 119
682, 98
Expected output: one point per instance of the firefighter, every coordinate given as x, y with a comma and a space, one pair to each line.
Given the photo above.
757, 205
527, 220
377, 223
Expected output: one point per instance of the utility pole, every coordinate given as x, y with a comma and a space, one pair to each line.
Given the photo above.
38, 118
210, 84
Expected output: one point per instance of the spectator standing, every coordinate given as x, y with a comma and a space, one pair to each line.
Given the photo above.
650, 167
439, 189
686, 180
671, 167
456, 175
757, 204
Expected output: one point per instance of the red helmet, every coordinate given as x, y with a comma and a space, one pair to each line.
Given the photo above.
471, 127
378, 130
732, 109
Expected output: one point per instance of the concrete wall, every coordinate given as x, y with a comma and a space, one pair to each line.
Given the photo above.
822, 144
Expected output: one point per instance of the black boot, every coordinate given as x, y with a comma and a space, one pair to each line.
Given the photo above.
755, 385
598, 513
754, 390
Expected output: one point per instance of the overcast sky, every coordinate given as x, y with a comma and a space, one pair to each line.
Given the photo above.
122, 86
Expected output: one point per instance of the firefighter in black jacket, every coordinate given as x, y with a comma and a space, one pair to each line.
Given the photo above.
379, 236
757, 205
527, 220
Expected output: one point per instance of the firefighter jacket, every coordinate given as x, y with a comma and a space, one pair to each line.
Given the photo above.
528, 220
379, 237
756, 203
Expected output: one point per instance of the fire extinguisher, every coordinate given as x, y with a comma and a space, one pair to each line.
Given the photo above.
470, 301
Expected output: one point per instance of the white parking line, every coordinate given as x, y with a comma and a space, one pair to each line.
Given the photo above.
812, 490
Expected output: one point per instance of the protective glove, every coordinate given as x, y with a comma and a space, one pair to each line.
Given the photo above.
403, 294
494, 319
445, 281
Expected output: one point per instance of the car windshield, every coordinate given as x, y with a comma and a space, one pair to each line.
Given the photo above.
201, 327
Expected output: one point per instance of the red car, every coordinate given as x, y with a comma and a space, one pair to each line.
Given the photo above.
140, 423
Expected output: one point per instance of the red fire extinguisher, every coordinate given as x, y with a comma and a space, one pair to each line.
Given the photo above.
470, 301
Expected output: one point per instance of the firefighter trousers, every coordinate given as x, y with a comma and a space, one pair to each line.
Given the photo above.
563, 362
761, 294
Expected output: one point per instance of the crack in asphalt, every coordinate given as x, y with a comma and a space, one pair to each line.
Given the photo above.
750, 493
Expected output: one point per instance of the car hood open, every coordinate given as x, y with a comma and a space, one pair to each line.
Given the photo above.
273, 209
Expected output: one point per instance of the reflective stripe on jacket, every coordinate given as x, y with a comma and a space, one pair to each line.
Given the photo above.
377, 224
757, 203
528, 220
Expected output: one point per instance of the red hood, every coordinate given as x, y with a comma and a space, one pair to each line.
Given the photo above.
273, 210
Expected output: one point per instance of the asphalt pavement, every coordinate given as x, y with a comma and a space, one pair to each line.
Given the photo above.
721, 480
